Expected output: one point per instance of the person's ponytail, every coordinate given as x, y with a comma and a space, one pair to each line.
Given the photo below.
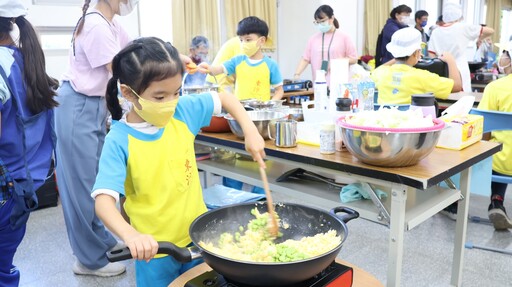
80, 25
112, 100
40, 88
336, 23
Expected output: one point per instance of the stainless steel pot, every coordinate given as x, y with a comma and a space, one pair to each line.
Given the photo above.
197, 89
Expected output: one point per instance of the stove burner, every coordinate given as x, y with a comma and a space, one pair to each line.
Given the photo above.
335, 275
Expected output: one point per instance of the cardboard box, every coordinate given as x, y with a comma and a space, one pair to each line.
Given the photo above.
461, 131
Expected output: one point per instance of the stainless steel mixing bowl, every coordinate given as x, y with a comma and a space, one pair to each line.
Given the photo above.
390, 147
261, 119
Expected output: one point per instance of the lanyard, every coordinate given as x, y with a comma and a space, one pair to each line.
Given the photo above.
328, 48
76, 27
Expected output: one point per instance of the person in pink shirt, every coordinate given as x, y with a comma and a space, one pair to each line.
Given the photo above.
328, 44
80, 123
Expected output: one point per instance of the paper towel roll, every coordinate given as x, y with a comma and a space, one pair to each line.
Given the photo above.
339, 71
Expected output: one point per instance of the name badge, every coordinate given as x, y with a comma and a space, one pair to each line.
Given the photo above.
324, 66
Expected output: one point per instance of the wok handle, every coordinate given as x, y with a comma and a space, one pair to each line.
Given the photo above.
350, 213
181, 254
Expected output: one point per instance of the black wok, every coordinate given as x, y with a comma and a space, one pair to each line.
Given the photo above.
302, 220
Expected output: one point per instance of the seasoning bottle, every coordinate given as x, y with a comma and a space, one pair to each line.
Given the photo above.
327, 140
320, 91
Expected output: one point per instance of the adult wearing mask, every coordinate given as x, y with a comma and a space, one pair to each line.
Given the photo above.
398, 19
454, 36
198, 53
329, 43
26, 130
421, 19
498, 97
81, 129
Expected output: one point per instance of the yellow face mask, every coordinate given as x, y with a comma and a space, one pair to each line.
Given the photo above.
155, 113
249, 48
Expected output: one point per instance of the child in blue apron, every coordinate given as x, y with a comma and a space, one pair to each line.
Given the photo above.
26, 130
149, 157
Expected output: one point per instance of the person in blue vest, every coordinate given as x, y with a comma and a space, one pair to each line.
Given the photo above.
26, 130
399, 18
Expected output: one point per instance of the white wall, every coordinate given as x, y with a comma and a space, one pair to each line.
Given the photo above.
60, 20
155, 19
294, 27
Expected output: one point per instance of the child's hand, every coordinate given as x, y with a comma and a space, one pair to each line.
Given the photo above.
203, 68
255, 145
191, 68
142, 246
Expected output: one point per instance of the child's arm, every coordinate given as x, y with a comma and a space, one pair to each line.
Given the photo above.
212, 70
142, 246
254, 143
278, 93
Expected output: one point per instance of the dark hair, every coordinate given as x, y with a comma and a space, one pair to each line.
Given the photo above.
252, 25
81, 22
327, 11
197, 41
400, 9
440, 18
142, 62
420, 13
39, 87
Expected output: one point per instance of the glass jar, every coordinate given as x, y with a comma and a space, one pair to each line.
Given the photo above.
327, 138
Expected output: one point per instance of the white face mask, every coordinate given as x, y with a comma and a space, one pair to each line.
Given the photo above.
405, 20
501, 69
15, 34
127, 8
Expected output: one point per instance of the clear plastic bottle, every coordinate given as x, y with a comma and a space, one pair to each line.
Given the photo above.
320, 89
366, 91
327, 138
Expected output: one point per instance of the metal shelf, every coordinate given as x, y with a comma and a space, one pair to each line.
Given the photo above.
420, 204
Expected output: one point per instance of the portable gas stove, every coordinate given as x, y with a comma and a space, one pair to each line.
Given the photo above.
335, 275
290, 85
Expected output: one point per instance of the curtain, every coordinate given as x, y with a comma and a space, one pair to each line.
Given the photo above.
191, 18
236, 10
493, 19
376, 13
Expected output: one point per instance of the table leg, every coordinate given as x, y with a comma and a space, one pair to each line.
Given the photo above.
396, 236
207, 178
461, 227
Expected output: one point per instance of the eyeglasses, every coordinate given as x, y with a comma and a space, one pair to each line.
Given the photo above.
321, 21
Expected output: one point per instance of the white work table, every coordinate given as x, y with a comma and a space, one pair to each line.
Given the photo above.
453, 97
414, 192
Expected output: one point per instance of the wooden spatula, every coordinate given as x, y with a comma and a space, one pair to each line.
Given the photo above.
272, 226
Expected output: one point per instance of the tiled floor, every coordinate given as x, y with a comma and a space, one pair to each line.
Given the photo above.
45, 257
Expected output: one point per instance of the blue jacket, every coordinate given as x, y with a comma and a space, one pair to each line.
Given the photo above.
389, 29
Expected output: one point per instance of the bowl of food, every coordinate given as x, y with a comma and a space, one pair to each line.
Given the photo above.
261, 119
379, 145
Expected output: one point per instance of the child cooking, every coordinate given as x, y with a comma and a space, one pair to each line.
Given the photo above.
148, 156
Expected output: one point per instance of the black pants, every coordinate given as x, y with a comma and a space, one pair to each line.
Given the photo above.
498, 188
